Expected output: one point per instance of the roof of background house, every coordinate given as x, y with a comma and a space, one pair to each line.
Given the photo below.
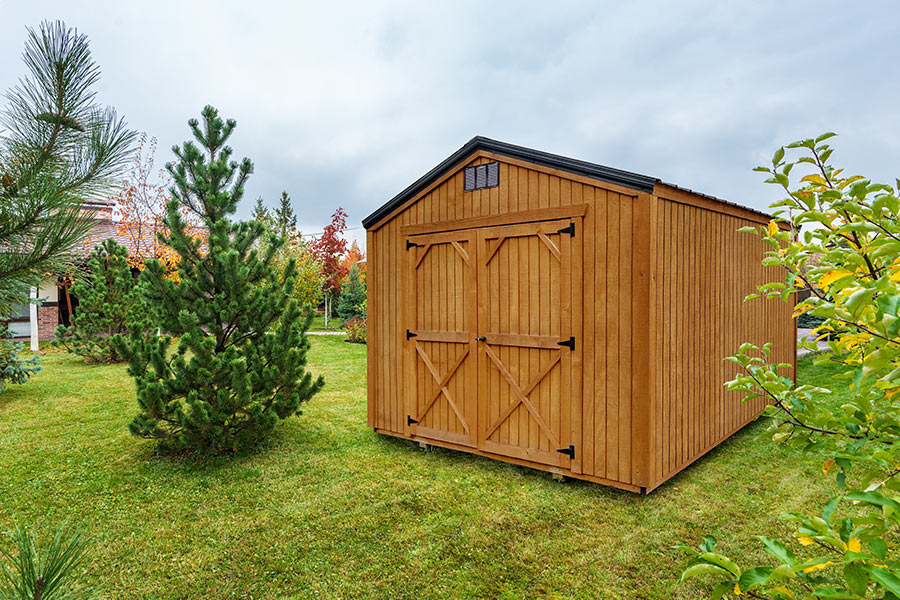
628, 179
104, 226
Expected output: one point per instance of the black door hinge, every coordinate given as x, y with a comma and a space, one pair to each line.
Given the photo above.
411, 421
410, 244
570, 229
569, 342
410, 334
570, 451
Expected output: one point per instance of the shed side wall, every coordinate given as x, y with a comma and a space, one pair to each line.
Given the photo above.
703, 269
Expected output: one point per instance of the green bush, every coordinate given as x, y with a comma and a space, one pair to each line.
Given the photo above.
356, 330
12, 368
110, 303
808, 321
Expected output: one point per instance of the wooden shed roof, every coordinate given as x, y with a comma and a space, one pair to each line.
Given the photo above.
627, 179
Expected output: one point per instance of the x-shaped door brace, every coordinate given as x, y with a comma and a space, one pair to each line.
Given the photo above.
522, 396
442, 385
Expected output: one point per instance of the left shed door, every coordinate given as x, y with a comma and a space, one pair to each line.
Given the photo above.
440, 311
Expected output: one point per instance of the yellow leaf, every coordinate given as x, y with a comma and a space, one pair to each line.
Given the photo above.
814, 178
773, 227
737, 590
805, 541
828, 466
831, 276
818, 567
801, 310
854, 545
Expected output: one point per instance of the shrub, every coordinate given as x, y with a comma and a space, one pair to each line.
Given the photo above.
356, 330
12, 368
109, 303
849, 549
808, 321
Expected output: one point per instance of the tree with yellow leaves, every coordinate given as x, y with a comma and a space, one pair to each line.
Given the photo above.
141, 207
844, 247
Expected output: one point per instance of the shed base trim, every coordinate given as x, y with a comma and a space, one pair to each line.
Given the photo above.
516, 461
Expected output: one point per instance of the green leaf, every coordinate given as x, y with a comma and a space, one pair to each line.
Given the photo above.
703, 569
829, 508
754, 577
878, 547
873, 498
825, 136
779, 154
708, 544
720, 590
856, 299
888, 303
778, 550
886, 579
856, 577
720, 561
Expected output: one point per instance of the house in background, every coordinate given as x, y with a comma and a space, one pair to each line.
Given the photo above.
38, 322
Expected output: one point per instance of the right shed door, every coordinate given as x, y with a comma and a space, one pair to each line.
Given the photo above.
529, 290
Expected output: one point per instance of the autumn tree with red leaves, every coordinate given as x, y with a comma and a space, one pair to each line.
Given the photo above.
329, 248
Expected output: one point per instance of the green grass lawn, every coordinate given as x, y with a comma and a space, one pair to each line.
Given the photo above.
329, 509
318, 324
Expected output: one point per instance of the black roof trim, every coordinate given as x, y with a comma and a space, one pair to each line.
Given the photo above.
578, 167
627, 179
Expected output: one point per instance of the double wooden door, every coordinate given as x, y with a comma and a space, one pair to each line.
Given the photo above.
492, 351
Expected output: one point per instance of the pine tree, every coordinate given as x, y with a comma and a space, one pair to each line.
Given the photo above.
353, 296
109, 303
260, 212
239, 365
58, 147
285, 219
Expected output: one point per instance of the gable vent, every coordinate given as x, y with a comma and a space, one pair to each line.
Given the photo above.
482, 176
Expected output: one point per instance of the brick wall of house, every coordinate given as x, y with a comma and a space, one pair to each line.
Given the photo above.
48, 319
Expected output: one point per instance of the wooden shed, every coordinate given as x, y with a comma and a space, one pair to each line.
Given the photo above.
563, 315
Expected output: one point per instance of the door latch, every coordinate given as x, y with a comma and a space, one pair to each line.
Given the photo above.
481, 339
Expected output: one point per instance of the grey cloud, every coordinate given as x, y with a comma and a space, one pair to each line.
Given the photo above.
347, 104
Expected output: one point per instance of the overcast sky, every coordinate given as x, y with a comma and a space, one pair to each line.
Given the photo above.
345, 104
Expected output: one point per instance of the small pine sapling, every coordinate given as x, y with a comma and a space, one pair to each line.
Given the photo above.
238, 367
353, 296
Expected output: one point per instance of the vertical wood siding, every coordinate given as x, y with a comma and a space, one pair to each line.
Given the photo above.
703, 270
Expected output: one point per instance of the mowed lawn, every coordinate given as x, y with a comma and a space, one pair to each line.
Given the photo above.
329, 509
